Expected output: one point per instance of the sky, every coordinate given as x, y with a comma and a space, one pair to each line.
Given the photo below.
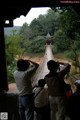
33, 13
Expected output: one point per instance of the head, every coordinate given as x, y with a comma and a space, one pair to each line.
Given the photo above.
22, 64
52, 65
41, 83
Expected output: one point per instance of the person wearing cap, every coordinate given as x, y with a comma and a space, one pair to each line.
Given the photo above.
74, 103
54, 80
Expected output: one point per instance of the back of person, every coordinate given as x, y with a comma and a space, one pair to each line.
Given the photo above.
42, 101
22, 78
42, 98
54, 85
54, 80
23, 82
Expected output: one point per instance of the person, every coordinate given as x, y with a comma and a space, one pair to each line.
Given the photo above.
41, 101
74, 103
54, 80
22, 78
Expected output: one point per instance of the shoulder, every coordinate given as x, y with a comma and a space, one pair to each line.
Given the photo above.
49, 75
52, 75
15, 72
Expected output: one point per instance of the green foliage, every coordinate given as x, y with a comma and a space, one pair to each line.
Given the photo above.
12, 47
70, 22
55, 49
67, 37
45, 23
25, 34
9, 30
61, 41
63, 24
69, 54
36, 28
10, 70
37, 45
75, 46
12, 50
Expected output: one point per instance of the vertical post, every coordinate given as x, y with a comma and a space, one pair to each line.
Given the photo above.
3, 68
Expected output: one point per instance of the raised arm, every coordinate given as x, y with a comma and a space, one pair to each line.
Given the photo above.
65, 69
34, 63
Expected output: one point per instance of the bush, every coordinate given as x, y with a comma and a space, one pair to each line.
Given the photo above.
10, 70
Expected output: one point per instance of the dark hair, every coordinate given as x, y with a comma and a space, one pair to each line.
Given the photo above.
22, 64
41, 83
52, 65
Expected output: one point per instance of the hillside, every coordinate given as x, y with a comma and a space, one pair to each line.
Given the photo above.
8, 30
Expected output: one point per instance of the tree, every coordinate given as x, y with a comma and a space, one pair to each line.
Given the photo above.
37, 45
12, 46
36, 28
49, 22
61, 41
13, 49
25, 34
70, 24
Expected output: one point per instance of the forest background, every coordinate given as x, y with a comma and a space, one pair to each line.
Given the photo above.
63, 24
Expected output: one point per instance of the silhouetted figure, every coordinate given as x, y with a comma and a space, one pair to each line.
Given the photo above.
54, 80
22, 78
42, 107
74, 103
